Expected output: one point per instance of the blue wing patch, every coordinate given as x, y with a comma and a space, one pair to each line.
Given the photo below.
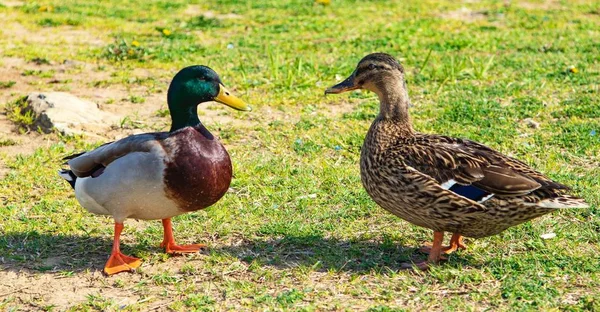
471, 192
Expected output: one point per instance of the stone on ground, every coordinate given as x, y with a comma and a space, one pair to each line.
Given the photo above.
67, 113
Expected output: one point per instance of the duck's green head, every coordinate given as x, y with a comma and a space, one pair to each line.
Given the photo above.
194, 85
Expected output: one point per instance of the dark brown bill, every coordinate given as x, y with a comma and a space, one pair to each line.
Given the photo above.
346, 85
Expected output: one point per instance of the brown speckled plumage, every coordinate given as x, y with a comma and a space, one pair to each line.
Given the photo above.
405, 178
410, 173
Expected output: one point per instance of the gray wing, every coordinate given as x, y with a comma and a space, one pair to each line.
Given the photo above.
87, 163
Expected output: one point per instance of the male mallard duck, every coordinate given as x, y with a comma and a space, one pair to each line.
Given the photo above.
158, 175
439, 182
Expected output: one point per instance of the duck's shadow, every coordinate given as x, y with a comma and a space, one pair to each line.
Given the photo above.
49, 253
326, 254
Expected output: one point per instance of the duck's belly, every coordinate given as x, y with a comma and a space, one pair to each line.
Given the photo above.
394, 195
130, 187
395, 200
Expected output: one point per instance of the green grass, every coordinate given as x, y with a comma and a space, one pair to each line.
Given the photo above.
297, 231
17, 112
7, 84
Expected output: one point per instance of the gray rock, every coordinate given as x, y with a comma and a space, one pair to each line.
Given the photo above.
67, 113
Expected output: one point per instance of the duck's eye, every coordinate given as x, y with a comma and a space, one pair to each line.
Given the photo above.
372, 66
201, 78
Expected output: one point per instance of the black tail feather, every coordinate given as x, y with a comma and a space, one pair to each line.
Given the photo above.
69, 176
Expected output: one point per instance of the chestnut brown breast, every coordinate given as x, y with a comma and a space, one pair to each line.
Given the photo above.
198, 170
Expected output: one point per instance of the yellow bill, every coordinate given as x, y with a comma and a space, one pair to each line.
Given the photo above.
231, 100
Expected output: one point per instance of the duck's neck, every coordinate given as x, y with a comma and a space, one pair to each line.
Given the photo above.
393, 121
394, 101
183, 112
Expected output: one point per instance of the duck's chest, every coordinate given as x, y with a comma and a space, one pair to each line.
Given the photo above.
385, 177
388, 183
377, 167
197, 170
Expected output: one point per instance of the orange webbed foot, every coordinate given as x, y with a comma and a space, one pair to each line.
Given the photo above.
435, 254
456, 243
172, 248
426, 249
119, 262
169, 245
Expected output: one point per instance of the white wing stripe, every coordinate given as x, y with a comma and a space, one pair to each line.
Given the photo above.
485, 198
448, 184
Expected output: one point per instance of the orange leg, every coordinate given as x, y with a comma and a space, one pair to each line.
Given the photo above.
119, 262
169, 241
435, 253
456, 242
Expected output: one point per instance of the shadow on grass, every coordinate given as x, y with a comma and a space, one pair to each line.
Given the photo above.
325, 254
48, 253
43, 252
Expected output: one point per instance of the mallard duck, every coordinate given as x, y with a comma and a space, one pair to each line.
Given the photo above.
442, 183
158, 175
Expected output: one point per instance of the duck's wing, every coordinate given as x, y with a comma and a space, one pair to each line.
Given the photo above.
513, 164
470, 169
69, 157
87, 163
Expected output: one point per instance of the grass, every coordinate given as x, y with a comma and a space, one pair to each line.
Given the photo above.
17, 112
297, 231
7, 84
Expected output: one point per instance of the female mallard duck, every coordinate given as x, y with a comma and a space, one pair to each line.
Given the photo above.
439, 182
158, 175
